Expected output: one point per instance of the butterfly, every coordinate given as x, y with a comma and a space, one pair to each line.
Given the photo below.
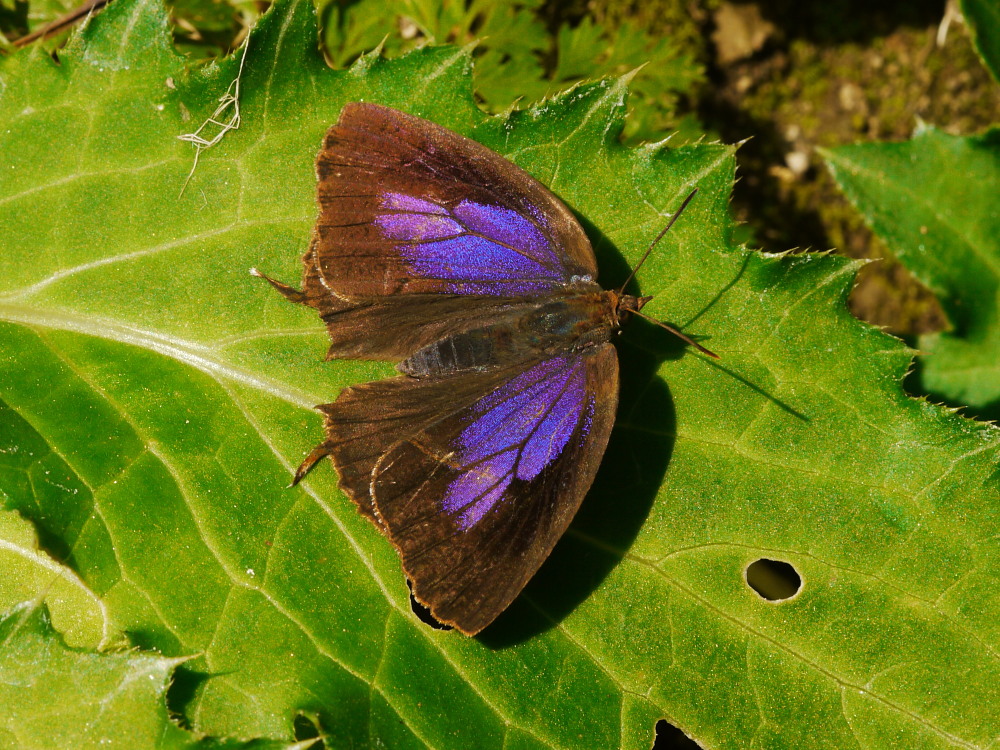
433, 251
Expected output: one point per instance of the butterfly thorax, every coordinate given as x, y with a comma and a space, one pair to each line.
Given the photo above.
581, 319
565, 322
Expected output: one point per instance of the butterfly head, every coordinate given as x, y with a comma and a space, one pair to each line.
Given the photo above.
625, 305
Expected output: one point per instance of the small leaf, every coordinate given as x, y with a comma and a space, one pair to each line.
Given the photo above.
31, 575
983, 19
933, 200
55, 696
577, 48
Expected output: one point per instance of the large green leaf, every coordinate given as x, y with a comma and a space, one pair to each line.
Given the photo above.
170, 393
934, 201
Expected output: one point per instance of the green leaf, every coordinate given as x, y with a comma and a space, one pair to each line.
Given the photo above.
19, 18
175, 392
207, 28
510, 39
659, 72
514, 39
54, 696
983, 19
933, 200
31, 575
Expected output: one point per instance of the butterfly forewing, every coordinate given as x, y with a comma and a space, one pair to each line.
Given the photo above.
410, 211
427, 210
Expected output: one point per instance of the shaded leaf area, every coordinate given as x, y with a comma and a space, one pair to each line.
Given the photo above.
171, 393
19, 17
983, 19
933, 201
55, 696
201, 28
211, 28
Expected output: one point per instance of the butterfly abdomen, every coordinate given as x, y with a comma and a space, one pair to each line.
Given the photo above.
470, 350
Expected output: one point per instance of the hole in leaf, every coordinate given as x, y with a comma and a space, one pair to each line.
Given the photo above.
669, 737
182, 692
773, 579
423, 613
306, 727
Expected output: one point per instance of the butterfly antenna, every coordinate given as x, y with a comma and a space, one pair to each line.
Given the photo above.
678, 334
658, 238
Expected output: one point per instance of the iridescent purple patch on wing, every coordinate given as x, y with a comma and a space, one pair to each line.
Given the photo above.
479, 488
402, 202
475, 248
507, 228
417, 227
518, 430
470, 257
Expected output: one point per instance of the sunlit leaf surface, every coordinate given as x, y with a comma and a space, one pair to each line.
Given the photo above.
170, 393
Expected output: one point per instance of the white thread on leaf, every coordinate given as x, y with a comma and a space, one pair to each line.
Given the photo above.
229, 100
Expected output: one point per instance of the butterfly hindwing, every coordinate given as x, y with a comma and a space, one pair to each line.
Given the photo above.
475, 500
368, 419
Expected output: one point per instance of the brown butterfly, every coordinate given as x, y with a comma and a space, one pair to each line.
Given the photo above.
433, 251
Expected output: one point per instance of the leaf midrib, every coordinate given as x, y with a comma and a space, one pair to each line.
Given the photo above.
181, 350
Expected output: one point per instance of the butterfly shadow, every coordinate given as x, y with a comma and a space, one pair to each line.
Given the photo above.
619, 501
629, 478
623, 492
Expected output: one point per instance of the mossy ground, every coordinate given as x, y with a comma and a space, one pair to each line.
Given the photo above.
831, 74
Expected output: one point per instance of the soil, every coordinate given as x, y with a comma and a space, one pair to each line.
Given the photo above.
786, 76
791, 76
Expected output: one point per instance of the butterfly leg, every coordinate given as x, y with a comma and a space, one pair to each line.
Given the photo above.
290, 293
